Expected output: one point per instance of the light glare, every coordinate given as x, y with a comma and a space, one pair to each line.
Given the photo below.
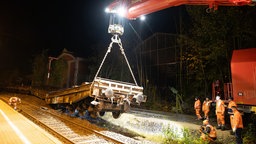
15, 128
142, 18
107, 10
121, 11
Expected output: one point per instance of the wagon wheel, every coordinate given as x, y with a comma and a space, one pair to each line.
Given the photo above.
116, 114
102, 113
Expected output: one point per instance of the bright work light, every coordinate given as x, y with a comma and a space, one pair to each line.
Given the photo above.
142, 18
120, 11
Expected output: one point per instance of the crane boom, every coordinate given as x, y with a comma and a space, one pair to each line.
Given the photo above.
136, 8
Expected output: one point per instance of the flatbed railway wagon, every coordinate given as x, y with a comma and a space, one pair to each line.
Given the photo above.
100, 96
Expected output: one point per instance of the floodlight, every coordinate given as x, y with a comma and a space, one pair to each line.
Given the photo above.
142, 18
107, 10
121, 11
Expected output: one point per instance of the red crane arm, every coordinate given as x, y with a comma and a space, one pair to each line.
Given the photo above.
136, 8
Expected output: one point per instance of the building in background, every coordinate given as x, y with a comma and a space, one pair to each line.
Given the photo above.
66, 70
157, 59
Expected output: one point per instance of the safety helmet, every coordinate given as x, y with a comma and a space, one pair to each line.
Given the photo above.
205, 122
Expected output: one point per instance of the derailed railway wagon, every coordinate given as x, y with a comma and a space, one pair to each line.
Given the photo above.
100, 96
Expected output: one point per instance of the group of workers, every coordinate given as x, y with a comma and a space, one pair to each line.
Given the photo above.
208, 132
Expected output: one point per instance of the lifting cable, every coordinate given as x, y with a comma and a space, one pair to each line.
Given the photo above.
116, 39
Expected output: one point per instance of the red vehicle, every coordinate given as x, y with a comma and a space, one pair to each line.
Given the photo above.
136, 8
243, 69
243, 86
243, 64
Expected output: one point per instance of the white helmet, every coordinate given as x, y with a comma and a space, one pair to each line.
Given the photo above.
217, 97
205, 122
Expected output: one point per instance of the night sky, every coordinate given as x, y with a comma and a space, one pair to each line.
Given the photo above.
29, 26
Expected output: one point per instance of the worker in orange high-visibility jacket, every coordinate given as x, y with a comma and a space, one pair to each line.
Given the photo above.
206, 108
197, 107
237, 125
220, 113
14, 101
230, 111
208, 132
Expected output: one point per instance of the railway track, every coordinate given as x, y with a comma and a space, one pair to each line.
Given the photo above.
129, 120
68, 130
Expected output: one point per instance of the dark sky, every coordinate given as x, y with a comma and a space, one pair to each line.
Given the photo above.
28, 26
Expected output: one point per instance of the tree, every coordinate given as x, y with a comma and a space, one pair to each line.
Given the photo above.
58, 76
210, 42
39, 69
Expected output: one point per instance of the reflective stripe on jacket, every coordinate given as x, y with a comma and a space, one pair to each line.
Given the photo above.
206, 105
220, 107
197, 104
237, 120
230, 104
14, 100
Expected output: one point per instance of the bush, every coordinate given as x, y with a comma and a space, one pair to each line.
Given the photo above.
249, 134
182, 136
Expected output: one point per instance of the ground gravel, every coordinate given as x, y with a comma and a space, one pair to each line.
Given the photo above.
148, 126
